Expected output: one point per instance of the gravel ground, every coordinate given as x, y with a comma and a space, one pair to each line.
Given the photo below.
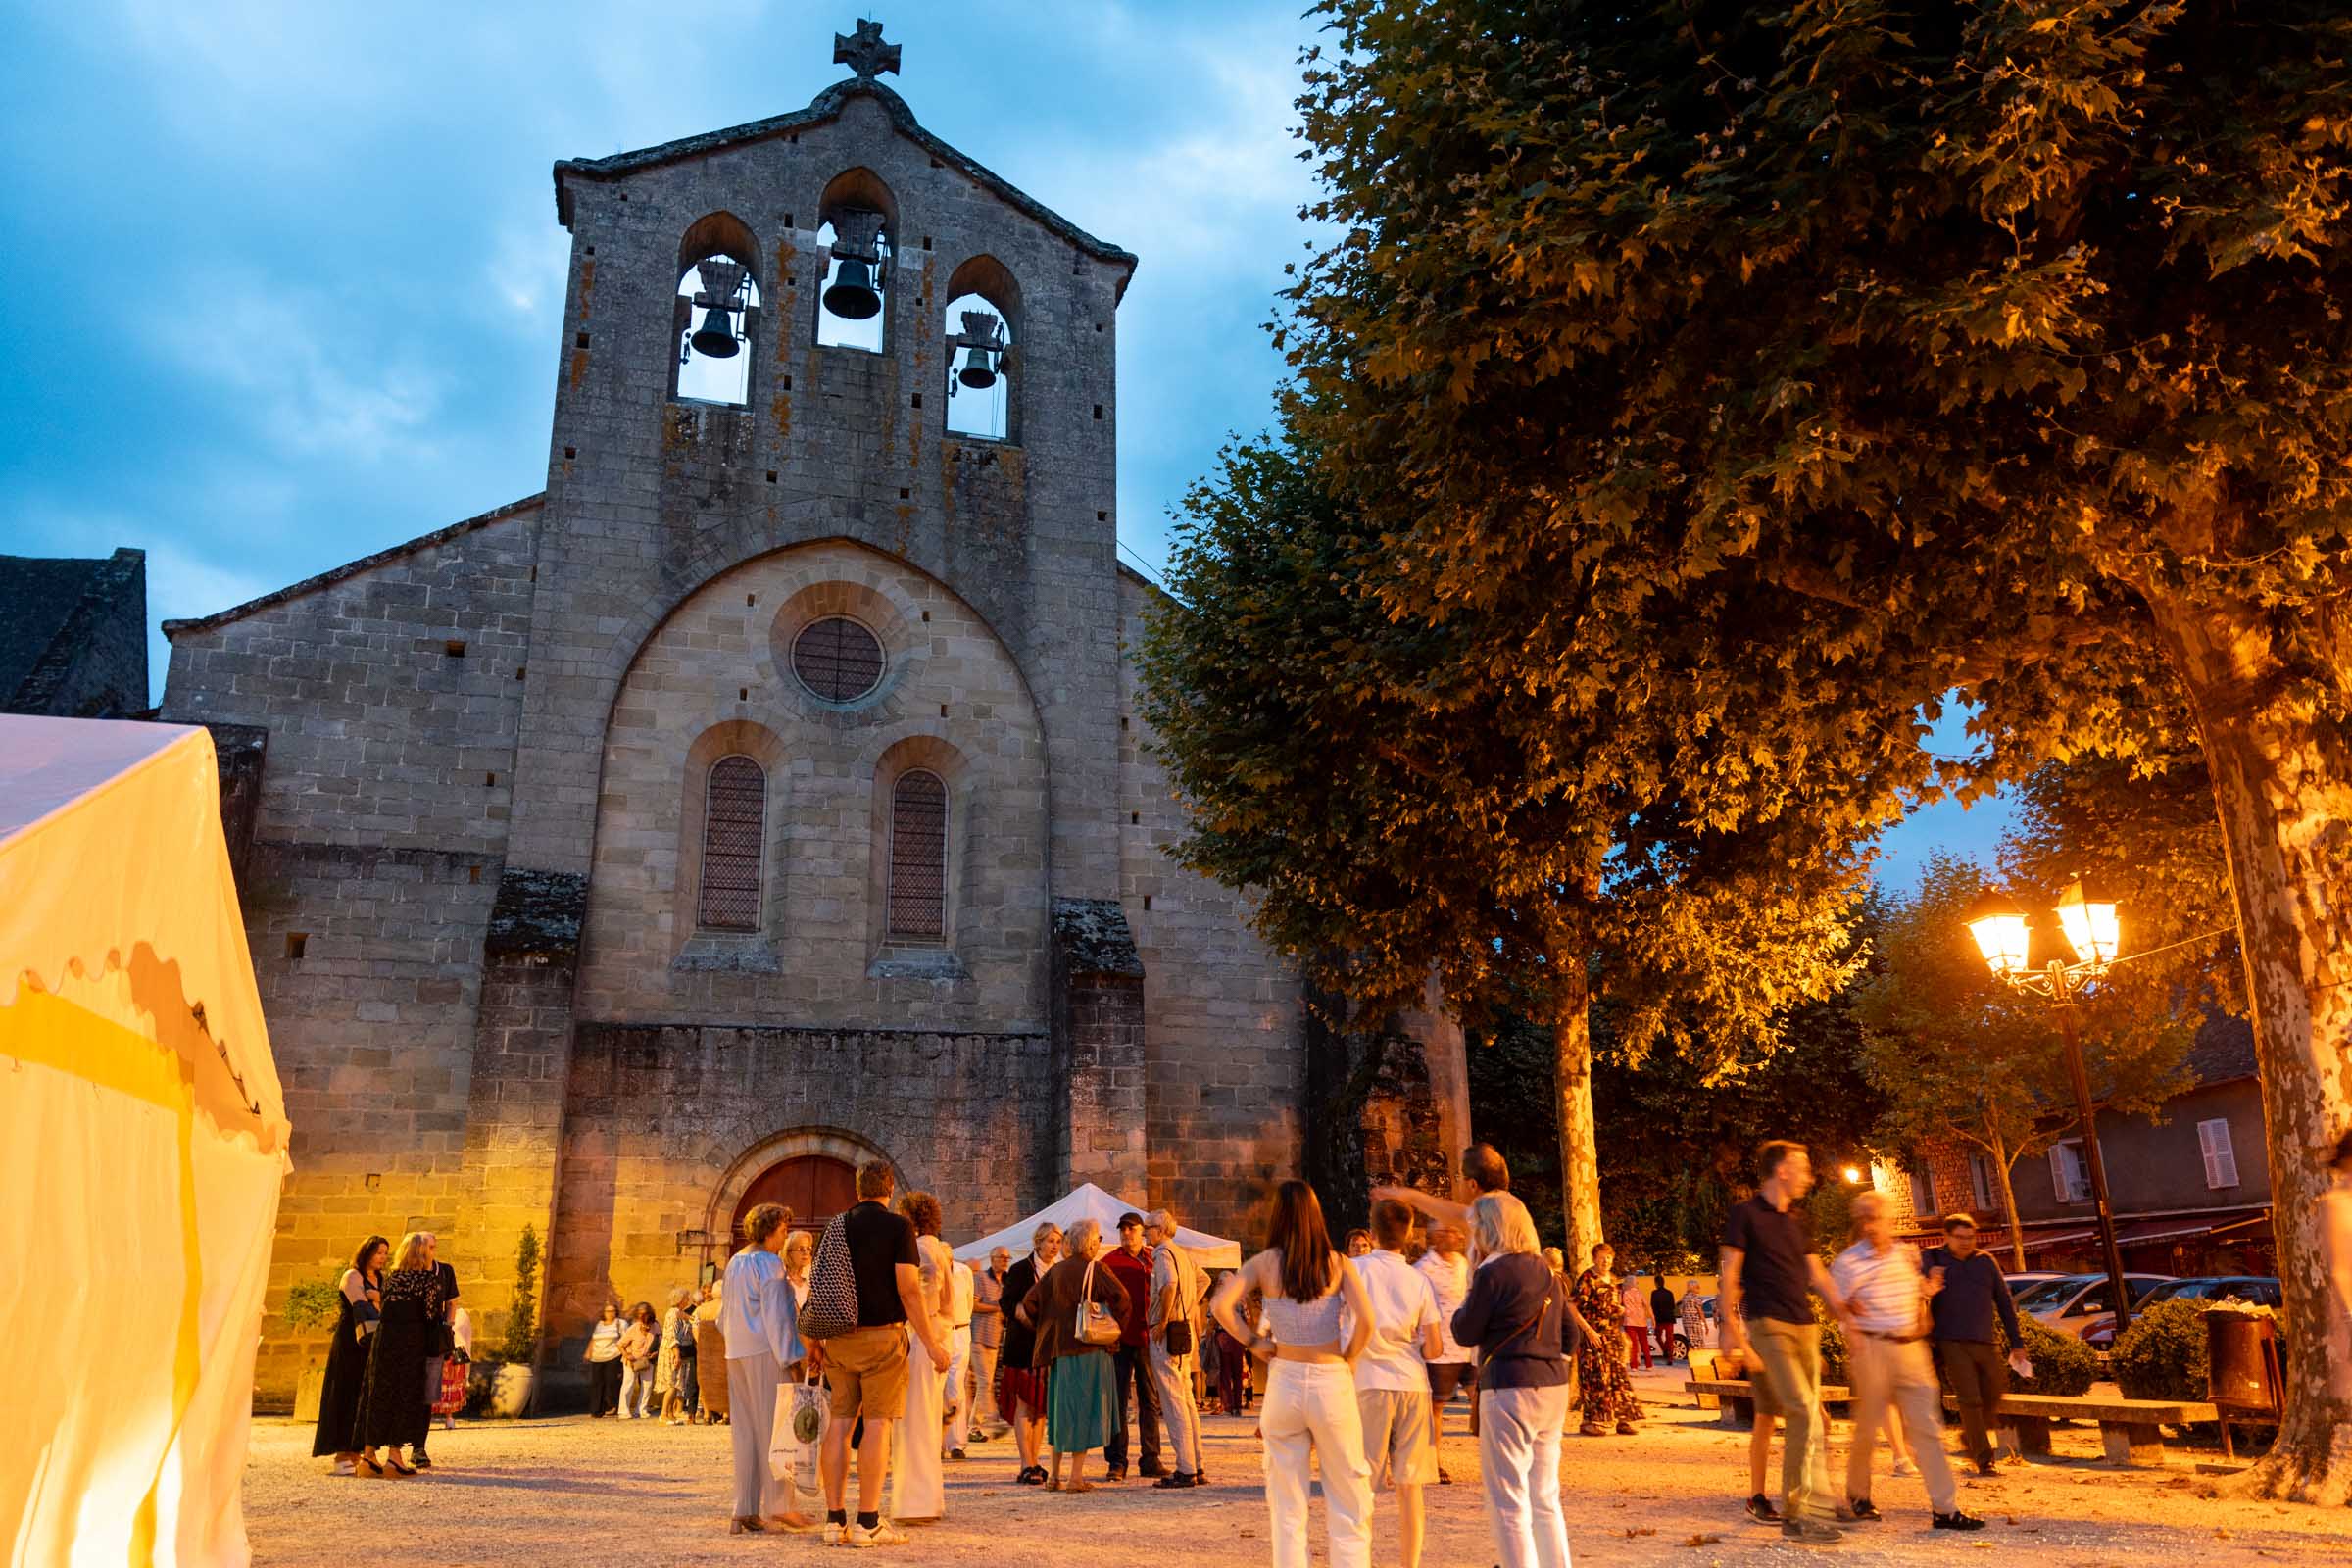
574, 1492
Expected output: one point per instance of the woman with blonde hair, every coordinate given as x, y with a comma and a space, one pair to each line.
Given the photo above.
1310, 1412
673, 1367
1524, 1330
800, 1250
394, 1410
759, 1319
1079, 1404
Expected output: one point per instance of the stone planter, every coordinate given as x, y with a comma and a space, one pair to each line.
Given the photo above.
308, 1391
510, 1391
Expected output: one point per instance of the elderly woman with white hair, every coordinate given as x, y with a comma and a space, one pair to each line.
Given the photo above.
1525, 1329
1074, 1352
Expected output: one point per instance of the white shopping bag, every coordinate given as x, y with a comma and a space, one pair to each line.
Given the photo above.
802, 1415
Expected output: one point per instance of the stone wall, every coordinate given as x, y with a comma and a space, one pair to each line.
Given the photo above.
1223, 1018
665, 1126
717, 679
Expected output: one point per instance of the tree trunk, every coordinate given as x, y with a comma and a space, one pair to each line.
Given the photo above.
2284, 799
1572, 1082
2004, 1161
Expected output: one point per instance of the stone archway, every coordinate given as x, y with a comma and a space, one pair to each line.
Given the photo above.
796, 1156
814, 1187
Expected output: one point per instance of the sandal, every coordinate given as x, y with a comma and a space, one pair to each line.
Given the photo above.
393, 1464
1593, 1429
1053, 1484
368, 1468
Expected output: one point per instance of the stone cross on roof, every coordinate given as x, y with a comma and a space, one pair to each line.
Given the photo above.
865, 52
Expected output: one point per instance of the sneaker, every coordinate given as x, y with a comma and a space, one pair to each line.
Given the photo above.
1810, 1533
1862, 1508
1956, 1520
882, 1535
1904, 1468
345, 1467
421, 1459
1171, 1483
1985, 1467
835, 1532
1625, 1429
955, 1453
1761, 1510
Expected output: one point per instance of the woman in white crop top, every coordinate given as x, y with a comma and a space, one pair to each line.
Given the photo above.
1310, 1410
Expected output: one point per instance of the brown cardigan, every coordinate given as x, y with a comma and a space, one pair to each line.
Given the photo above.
1055, 1308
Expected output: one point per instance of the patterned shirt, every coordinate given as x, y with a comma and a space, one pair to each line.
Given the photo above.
1881, 1288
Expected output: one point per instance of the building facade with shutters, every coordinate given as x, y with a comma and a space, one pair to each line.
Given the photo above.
2190, 1188
768, 795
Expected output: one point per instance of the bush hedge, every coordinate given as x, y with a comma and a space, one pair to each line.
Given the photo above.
2162, 1354
2061, 1364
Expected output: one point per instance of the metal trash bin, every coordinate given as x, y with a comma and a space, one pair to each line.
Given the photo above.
2242, 1374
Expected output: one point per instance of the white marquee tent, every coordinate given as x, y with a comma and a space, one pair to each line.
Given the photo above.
142, 1141
1090, 1201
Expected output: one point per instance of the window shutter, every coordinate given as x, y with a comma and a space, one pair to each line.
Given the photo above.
2221, 1161
1979, 1177
734, 828
918, 856
2065, 1174
1923, 1194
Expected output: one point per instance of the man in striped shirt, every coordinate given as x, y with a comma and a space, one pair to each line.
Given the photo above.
1886, 1314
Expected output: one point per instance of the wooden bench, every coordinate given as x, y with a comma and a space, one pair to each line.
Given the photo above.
2133, 1430
1738, 1399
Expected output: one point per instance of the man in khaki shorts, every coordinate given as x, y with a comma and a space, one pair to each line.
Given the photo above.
867, 1368
1391, 1376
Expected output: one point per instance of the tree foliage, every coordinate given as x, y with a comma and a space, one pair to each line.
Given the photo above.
1761, 375
1960, 1057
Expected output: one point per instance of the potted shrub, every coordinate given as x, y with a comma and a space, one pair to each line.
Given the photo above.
505, 1375
311, 1303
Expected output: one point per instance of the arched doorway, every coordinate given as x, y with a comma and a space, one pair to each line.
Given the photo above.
814, 1187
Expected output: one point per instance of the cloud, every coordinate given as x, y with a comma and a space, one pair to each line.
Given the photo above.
305, 367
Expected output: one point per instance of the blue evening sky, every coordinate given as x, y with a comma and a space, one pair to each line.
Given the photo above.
280, 285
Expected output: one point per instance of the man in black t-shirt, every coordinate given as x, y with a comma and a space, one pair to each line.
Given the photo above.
1769, 1266
867, 1368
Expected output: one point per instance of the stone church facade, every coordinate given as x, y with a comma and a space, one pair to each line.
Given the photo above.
769, 792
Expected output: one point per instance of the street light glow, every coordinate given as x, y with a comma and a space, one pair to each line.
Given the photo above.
1853, 1176
1998, 925
2092, 927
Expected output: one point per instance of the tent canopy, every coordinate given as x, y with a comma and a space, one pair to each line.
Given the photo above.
143, 1141
1090, 1201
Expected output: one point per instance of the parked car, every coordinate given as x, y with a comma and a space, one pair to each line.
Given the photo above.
2020, 1283
2262, 1289
2072, 1304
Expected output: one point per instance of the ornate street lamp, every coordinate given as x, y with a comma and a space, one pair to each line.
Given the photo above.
2094, 931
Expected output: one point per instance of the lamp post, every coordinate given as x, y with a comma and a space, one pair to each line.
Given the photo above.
2094, 932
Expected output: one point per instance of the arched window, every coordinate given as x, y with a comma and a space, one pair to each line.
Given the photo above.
918, 856
984, 305
717, 309
858, 230
734, 836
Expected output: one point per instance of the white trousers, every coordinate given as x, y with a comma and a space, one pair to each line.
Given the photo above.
1179, 1418
1883, 1372
918, 1487
1310, 1413
636, 1389
752, 1384
1519, 1451
960, 1361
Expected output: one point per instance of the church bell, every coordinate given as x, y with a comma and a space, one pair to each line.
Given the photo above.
715, 338
853, 296
977, 373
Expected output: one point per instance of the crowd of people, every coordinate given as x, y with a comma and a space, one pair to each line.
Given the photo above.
904, 1357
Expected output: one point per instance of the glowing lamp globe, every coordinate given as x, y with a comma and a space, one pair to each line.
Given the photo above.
1998, 925
2092, 927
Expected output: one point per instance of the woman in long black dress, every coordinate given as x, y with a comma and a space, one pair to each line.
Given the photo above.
347, 1359
395, 1412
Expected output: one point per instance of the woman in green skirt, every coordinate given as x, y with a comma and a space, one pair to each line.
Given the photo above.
1080, 1406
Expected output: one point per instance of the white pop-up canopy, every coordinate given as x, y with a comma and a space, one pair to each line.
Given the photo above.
1090, 1201
143, 1141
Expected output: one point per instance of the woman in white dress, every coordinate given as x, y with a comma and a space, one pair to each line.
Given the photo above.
918, 1487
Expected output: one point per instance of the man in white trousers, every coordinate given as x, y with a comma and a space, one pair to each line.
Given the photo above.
1174, 1311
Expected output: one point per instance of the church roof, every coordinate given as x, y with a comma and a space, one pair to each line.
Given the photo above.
351, 569
825, 108
39, 598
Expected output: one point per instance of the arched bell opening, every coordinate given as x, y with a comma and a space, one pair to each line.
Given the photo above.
857, 233
716, 312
